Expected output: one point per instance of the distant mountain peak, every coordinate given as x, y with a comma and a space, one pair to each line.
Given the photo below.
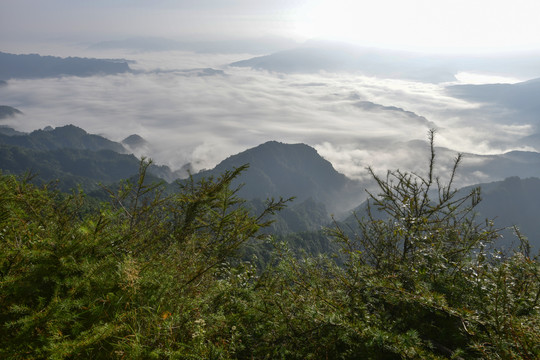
280, 169
8, 111
69, 128
296, 157
134, 141
63, 137
36, 66
341, 57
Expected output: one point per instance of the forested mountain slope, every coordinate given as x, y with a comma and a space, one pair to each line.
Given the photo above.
68, 154
508, 203
278, 169
68, 136
8, 111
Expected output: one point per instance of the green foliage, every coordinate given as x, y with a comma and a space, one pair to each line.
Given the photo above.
129, 280
419, 282
155, 274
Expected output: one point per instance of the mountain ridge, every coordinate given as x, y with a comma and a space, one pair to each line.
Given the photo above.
67, 136
338, 58
519, 101
28, 66
71, 155
8, 112
277, 169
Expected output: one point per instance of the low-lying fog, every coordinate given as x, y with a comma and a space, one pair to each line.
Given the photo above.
189, 115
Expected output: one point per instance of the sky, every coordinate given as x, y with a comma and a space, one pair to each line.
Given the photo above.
422, 25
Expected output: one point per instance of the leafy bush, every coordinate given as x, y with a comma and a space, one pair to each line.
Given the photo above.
418, 278
130, 279
151, 274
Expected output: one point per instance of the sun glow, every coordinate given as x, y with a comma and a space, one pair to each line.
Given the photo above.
422, 25
384, 23
325, 20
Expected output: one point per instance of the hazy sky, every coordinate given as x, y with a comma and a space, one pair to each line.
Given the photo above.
441, 25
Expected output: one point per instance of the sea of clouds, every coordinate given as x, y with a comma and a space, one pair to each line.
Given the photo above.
352, 120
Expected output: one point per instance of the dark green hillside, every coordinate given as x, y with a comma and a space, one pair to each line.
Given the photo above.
513, 201
72, 167
278, 169
71, 156
6, 130
292, 170
68, 136
296, 217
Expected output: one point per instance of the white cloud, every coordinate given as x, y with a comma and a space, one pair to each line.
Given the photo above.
204, 119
